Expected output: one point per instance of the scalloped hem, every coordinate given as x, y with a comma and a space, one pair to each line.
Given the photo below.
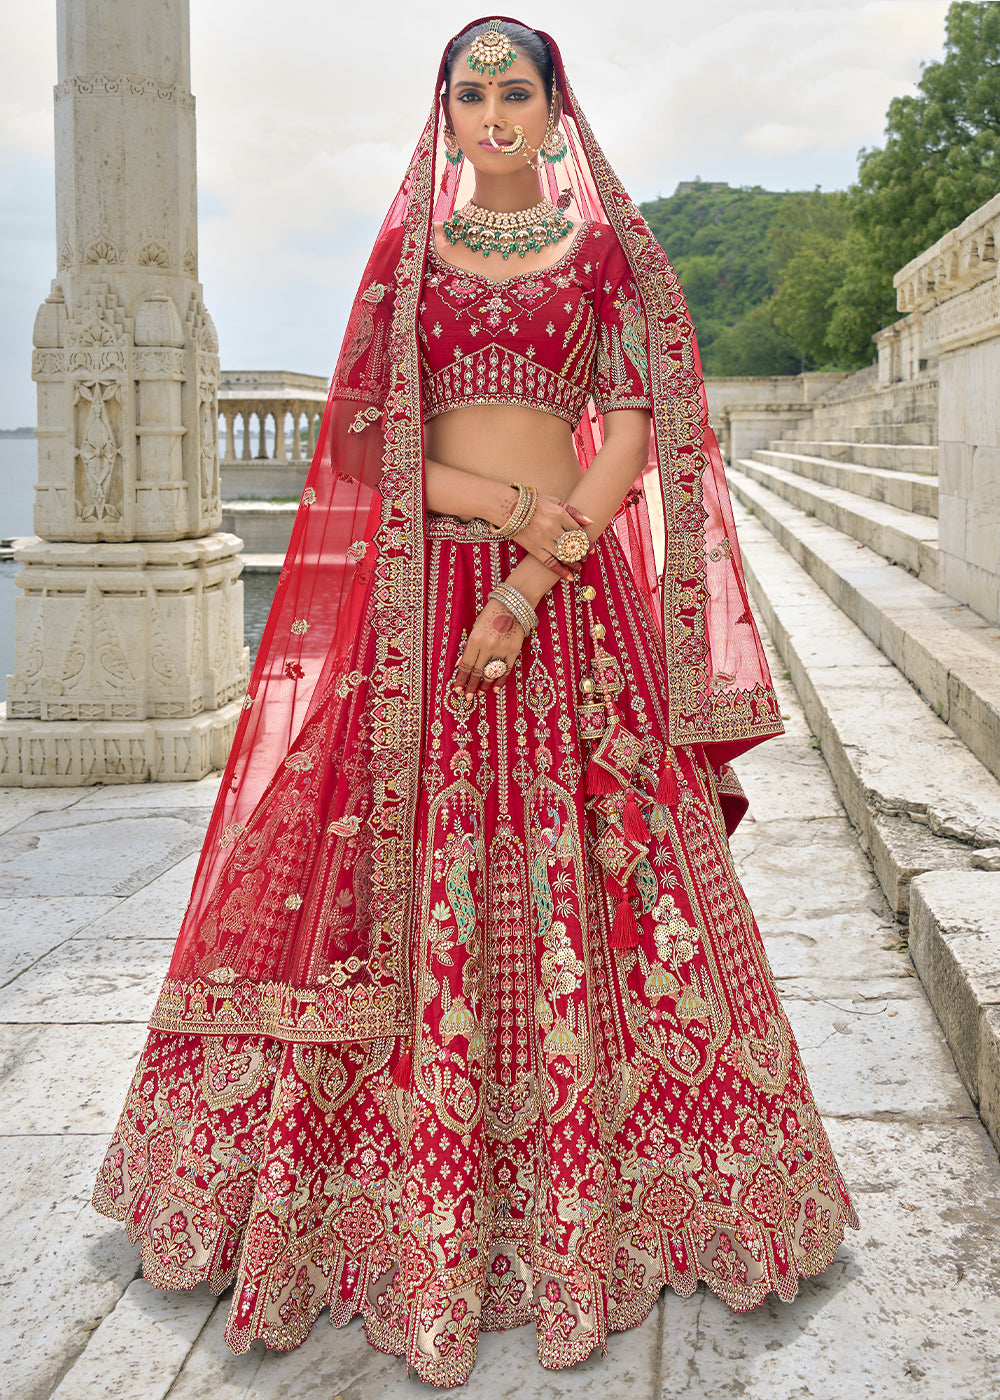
396, 1331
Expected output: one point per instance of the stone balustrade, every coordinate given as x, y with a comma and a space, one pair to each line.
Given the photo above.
255, 406
958, 262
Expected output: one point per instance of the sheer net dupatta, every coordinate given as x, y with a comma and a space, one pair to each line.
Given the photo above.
296, 925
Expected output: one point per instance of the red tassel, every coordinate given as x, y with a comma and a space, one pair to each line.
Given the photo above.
599, 781
624, 930
632, 823
666, 792
401, 1069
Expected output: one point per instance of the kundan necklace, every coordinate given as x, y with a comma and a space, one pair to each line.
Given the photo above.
522, 231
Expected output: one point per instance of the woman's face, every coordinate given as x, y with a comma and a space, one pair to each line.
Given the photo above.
478, 101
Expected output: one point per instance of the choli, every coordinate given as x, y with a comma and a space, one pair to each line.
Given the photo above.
546, 340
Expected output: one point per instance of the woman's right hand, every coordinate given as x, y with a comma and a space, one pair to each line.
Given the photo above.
550, 519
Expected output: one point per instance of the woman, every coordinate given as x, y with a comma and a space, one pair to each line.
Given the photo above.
469, 1024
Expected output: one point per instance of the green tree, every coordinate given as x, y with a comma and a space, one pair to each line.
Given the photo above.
807, 239
755, 345
941, 160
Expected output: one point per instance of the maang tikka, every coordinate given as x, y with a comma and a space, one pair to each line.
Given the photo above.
491, 52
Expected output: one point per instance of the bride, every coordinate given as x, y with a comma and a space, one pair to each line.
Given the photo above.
469, 1024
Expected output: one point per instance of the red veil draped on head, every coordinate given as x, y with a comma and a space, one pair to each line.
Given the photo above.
324, 769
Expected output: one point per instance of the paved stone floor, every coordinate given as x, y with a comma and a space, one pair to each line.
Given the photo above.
92, 886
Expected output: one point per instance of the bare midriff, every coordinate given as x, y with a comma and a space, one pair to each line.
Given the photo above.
506, 442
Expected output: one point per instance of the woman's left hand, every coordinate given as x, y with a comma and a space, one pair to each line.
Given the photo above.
494, 634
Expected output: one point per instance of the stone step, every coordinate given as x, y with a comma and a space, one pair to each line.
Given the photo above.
897, 535
946, 651
911, 788
909, 491
916, 434
887, 456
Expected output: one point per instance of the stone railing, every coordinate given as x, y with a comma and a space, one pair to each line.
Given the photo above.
951, 296
251, 468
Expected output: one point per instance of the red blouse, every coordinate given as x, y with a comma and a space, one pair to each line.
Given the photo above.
548, 340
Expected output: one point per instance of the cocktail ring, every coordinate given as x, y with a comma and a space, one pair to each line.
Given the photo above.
495, 669
571, 546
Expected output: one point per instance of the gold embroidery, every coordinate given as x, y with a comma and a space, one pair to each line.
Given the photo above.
300, 627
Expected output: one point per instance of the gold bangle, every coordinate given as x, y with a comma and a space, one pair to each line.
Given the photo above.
527, 499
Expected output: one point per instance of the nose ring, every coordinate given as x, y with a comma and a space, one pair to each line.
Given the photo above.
489, 137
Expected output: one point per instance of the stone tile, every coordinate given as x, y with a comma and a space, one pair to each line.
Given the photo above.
822, 854
111, 980
789, 785
339, 1364
17, 804
909, 1306
85, 851
42, 1087
155, 911
156, 797
873, 1059
64, 1267
833, 957
33, 926
140, 1347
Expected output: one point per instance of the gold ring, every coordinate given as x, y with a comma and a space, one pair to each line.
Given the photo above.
572, 546
497, 668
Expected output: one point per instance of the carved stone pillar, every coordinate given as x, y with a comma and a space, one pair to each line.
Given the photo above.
129, 659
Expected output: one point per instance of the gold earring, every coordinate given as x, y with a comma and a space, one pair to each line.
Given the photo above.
554, 146
452, 149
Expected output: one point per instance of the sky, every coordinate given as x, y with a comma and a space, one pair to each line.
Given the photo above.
307, 113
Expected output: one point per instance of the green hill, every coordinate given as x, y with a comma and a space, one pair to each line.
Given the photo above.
733, 250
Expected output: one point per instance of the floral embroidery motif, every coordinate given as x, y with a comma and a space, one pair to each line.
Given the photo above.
364, 419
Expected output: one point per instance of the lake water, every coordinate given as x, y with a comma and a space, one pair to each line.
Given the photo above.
18, 473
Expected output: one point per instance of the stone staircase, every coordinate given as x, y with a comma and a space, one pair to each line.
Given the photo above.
900, 682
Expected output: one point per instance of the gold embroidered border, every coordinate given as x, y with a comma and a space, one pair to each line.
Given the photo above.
294, 1015
697, 713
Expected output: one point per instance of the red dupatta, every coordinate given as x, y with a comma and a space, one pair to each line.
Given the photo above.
251, 956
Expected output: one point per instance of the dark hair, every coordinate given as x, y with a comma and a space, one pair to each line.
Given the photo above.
527, 44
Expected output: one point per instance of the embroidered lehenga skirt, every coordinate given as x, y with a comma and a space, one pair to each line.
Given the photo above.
583, 1116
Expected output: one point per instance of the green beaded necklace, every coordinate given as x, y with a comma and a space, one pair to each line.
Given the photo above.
522, 231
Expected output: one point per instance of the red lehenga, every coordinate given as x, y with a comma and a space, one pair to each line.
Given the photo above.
469, 1024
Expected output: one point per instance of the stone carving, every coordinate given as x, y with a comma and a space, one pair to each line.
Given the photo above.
95, 658
98, 447
161, 659
103, 249
153, 254
209, 417
122, 85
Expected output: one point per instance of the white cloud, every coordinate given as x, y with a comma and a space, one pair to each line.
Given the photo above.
773, 138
